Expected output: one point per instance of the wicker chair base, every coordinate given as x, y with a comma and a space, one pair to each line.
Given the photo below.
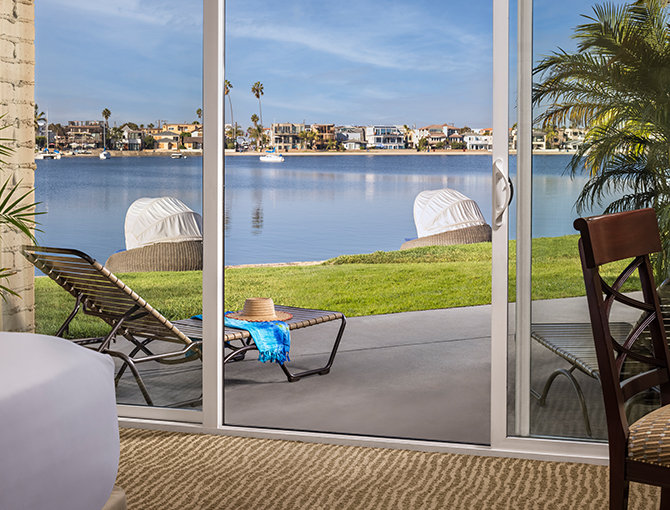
468, 235
184, 256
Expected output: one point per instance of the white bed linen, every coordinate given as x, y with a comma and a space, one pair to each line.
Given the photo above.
59, 436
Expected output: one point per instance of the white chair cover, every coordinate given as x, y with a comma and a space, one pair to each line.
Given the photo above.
161, 220
443, 210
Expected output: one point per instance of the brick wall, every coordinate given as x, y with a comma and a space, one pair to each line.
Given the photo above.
17, 85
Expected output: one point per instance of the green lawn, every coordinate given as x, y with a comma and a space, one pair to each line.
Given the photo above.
381, 282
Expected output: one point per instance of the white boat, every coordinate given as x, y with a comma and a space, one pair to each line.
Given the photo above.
177, 155
271, 157
47, 155
105, 154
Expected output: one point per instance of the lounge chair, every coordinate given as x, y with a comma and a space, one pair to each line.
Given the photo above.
99, 293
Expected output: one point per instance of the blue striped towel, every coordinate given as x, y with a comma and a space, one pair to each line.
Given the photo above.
272, 338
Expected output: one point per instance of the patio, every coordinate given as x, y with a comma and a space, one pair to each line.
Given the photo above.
420, 375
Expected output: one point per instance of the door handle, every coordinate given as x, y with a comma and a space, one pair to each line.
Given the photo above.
503, 192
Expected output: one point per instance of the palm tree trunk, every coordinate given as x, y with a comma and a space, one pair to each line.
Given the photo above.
232, 124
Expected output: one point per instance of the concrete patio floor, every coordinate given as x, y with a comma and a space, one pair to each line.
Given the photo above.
420, 375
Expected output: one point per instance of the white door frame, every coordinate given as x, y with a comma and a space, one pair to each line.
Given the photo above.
502, 443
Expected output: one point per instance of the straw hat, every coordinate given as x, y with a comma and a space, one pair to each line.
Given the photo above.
259, 309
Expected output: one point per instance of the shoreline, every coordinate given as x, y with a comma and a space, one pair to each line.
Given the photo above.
374, 152
95, 153
276, 264
395, 152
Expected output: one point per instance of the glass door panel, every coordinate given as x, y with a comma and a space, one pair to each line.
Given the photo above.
127, 125
362, 133
555, 396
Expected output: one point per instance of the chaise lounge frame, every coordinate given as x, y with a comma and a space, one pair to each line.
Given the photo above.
100, 293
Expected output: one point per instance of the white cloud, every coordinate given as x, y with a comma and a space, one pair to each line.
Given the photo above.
178, 15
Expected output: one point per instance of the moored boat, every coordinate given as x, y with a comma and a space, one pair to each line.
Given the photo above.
105, 154
272, 157
47, 155
177, 155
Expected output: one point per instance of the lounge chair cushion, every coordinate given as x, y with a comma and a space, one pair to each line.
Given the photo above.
183, 256
649, 439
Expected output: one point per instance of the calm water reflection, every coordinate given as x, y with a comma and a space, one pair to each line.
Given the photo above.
307, 208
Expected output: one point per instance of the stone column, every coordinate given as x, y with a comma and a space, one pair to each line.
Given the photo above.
17, 99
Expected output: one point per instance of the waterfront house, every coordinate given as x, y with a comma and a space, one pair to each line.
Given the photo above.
449, 130
286, 136
325, 133
436, 133
166, 140
132, 140
539, 140
84, 133
511, 138
384, 137
455, 138
351, 137
193, 142
354, 145
477, 142
181, 128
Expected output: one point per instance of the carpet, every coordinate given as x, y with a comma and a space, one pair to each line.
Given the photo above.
169, 470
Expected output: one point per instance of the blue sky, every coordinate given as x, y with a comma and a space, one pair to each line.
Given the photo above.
383, 61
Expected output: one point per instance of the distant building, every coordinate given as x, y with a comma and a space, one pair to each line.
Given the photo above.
455, 138
166, 140
449, 130
354, 145
539, 140
286, 136
84, 133
132, 140
435, 133
181, 128
384, 137
477, 142
325, 133
351, 137
193, 142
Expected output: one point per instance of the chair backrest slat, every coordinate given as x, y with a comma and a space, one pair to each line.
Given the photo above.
102, 292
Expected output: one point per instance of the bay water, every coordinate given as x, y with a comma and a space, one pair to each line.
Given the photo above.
306, 208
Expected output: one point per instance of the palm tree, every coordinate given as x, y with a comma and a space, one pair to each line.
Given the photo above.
198, 112
106, 115
616, 85
257, 90
227, 86
39, 116
407, 134
15, 214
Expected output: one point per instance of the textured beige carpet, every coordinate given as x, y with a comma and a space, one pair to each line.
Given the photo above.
167, 470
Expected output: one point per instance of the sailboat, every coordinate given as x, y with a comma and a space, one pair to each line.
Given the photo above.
272, 157
105, 153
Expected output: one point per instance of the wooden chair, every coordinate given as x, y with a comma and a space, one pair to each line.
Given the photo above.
639, 452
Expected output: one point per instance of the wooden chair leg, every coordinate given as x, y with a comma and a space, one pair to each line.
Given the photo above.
618, 491
665, 499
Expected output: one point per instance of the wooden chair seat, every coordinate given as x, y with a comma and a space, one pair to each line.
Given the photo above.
649, 439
